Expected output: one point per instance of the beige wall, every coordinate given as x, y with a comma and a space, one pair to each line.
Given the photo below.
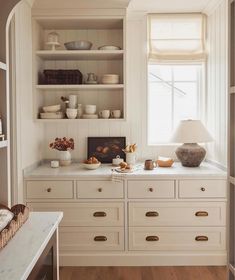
28, 133
216, 113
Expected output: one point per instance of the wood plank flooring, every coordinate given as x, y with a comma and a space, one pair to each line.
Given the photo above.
144, 273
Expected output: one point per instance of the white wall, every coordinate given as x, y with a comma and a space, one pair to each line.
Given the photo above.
216, 113
28, 135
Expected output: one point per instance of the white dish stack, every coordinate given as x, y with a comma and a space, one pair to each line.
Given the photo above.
110, 79
90, 112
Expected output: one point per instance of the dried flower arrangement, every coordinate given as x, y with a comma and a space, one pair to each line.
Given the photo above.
62, 144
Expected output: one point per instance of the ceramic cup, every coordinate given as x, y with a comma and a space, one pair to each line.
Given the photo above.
90, 109
149, 164
105, 114
116, 114
71, 113
131, 158
73, 101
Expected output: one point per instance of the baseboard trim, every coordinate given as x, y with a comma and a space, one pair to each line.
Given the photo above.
211, 259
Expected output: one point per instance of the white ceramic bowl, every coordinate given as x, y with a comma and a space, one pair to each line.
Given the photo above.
52, 108
71, 113
78, 45
107, 47
91, 166
90, 109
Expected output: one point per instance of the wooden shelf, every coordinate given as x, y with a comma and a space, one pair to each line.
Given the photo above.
3, 144
81, 55
76, 120
84, 87
232, 269
3, 66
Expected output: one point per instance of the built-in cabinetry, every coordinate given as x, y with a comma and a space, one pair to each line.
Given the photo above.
98, 30
143, 218
231, 155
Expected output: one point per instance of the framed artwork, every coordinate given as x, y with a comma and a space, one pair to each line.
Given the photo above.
106, 148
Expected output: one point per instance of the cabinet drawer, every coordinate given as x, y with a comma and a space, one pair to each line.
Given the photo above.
85, 214
77, 239
99, 189
193, 239
49, 189
202, 188
151, 189
177, 214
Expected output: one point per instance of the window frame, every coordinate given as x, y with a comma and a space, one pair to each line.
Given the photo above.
201, 98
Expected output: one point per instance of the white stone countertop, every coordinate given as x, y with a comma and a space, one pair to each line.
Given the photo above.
76, 170
21, 254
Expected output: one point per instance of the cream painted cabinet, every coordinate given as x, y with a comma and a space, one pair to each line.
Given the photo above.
135, 221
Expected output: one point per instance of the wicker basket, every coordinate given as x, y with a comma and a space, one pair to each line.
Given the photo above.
21, 214
61, 77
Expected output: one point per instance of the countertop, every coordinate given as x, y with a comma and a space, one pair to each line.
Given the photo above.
205, 170
20, 255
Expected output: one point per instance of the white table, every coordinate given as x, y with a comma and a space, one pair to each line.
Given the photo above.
20, 255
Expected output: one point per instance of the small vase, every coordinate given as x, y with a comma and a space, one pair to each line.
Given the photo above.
65, 158
131, 158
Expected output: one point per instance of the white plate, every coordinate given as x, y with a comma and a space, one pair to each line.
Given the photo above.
56, 115
120, 170
91, 116
109, 48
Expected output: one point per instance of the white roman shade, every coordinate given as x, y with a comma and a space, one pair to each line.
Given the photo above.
176, 36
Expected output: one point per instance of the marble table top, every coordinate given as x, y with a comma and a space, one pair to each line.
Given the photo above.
76, 170
20, 255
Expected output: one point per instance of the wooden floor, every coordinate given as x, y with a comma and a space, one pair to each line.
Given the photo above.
143, 273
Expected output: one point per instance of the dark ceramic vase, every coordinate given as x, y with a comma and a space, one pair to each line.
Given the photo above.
190, 154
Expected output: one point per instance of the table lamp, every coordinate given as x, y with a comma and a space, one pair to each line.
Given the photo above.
191, 132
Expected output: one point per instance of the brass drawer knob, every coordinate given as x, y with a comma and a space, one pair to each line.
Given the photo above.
152, 238
151, 189
99, 214
100, 238
49, 189
201, 238
152, 214
203, 189
201, 214
99, 189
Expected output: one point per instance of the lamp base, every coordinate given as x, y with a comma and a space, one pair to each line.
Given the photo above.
190, 154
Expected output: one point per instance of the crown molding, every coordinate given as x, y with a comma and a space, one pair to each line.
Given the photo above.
211, 6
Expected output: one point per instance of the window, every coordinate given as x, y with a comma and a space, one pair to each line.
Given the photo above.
173, 94
176, 53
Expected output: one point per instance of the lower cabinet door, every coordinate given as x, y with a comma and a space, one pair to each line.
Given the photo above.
77, 239
180, 239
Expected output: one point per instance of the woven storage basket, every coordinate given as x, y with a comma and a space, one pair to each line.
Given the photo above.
21, 214
61, 77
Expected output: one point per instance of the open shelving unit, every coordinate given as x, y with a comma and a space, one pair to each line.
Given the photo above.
231, 155
100, 30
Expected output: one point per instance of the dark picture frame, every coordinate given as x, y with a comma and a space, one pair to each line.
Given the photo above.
106, 148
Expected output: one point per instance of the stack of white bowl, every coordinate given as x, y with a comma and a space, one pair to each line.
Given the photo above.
90, 112
110, 79
52, 112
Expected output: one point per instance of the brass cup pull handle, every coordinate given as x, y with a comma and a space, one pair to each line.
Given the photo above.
99, 189
201, 238
203, 189
152, 238
201, 214
100, 238
152, 214
99, 214
49, 189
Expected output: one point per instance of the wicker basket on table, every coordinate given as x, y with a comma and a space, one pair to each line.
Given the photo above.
20, 215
